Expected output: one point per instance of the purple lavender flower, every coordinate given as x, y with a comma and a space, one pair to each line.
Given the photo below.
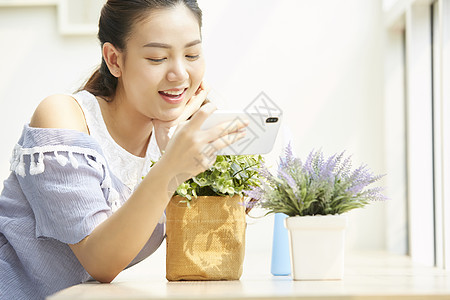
319, 186
284, 175
256, 193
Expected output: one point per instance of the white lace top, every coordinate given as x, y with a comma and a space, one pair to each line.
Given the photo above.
126, 166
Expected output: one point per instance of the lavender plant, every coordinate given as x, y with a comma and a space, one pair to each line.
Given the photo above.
319, 186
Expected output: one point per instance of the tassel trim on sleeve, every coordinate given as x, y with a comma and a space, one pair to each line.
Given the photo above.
17, 164
37, 164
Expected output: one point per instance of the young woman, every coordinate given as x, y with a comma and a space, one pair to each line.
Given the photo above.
75, 206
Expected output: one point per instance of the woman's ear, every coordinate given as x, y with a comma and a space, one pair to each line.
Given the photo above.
111, 56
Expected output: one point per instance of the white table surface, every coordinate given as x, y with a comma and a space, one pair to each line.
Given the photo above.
367, 276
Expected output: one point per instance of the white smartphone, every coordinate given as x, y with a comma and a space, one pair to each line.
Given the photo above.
260, 133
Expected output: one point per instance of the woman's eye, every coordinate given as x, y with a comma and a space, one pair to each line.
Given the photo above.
192, 57
156, 60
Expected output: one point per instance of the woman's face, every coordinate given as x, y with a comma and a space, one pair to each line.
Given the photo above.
163, 64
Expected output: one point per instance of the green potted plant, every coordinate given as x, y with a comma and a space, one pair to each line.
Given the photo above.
315, 194
206, 221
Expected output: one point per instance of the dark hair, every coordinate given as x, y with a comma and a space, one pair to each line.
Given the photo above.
115, 26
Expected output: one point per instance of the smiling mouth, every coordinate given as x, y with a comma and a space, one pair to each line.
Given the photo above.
172, 94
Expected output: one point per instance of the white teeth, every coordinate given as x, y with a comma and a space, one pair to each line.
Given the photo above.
173, 93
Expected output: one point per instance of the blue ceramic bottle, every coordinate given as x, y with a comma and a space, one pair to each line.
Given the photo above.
281, 261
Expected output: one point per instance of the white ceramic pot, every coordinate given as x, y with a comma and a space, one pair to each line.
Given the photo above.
317, 246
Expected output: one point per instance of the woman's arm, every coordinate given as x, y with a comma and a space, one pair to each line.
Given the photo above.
113, 244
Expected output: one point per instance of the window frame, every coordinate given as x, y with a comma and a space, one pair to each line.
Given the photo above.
426, 127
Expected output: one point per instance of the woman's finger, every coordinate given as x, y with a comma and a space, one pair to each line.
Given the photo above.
225, 128
194, 103
227, 140
203, 87
201, 115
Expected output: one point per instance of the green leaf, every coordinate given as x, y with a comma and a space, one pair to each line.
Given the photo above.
229, 175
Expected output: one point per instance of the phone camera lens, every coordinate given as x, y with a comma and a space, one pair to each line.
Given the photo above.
271, 120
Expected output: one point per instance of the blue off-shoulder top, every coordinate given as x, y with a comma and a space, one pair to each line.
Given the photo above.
60, 188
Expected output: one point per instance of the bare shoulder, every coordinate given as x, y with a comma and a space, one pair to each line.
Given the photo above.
59, 111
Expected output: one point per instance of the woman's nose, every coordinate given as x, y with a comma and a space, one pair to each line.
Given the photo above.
177, 72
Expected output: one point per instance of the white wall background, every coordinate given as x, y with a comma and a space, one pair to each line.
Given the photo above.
320, 61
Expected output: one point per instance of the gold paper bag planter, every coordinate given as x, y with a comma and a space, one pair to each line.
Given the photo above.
207, 240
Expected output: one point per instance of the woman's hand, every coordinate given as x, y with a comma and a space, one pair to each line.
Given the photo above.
192, 150
161, 129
